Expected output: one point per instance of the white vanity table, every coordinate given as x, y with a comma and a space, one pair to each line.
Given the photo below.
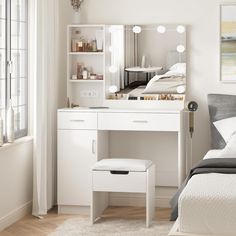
83, 139
148, 127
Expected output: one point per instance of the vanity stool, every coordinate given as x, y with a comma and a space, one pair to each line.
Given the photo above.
123, 175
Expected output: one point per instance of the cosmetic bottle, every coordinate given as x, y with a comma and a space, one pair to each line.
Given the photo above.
79, 71
94, 45
85, 73
74, 41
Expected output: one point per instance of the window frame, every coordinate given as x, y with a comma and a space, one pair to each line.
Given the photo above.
19, 133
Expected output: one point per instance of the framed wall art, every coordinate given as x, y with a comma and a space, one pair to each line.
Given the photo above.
228, 42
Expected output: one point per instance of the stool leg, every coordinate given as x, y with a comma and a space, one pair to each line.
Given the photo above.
150, 195
99, 203
92, 209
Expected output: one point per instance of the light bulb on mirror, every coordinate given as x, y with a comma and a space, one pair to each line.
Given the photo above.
180, 89
112, 69
180, 48
161, 29
180, 29
113, 89
137, 29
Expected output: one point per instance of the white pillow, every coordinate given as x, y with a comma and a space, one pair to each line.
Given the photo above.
226, 127
179, 67
174, 73
230, 149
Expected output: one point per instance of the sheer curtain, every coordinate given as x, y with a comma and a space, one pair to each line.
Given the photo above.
43, 57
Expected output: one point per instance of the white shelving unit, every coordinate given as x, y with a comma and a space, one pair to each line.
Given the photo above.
94, 61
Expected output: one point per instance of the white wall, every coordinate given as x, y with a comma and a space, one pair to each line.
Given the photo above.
65, 18
16, 182
202, 19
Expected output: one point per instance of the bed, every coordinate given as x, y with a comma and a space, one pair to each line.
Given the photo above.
207, 203
172, 82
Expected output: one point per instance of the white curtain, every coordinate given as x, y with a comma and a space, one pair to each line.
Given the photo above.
43, 62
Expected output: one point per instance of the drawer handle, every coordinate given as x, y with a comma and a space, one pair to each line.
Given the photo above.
77, 120
119, 172
141, 121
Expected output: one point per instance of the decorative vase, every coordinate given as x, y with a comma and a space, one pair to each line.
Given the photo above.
77, 17
10, 124
1, 131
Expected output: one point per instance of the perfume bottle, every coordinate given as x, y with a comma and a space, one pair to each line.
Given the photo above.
10, 124
75, 40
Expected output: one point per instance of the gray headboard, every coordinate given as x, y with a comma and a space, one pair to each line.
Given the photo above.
220, 107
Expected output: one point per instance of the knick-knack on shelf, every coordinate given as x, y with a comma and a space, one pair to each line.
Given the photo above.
76, 4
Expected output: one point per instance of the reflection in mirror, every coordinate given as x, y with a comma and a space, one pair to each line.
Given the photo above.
145, 62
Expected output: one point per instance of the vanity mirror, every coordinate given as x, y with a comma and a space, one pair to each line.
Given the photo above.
145, 62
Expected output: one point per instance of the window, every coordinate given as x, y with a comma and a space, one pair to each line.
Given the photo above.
13, 63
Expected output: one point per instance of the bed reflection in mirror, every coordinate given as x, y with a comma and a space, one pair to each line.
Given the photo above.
145, 62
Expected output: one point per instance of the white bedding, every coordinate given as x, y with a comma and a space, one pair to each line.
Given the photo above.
208, 205
214, 153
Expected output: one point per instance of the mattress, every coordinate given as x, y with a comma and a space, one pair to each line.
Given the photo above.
208, 205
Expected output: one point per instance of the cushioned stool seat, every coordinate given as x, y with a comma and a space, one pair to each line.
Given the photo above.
122, 164
122, 175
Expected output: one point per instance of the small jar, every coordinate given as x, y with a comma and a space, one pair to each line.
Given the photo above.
74, 77
92, 76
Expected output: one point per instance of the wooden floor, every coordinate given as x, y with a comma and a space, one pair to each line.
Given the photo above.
31, 226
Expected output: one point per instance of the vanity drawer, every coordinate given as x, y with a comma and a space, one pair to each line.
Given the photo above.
139, 121
77, 120
108, 182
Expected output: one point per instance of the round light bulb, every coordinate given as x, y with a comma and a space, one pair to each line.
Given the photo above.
161, 29
113, 89
180, 48
180, 29
112, 69
180, 89
137, 29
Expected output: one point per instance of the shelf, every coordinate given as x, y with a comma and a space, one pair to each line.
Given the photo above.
86, 53
85, 26
86, 81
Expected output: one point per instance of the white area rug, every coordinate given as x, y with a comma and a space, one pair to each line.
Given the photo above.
108, 227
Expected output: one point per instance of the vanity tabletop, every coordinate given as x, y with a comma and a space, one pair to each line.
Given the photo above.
117, 110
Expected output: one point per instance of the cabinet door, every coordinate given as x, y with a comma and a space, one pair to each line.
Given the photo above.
76, 155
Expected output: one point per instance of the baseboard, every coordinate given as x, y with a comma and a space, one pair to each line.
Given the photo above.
125, 200
77, 210
15, 215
